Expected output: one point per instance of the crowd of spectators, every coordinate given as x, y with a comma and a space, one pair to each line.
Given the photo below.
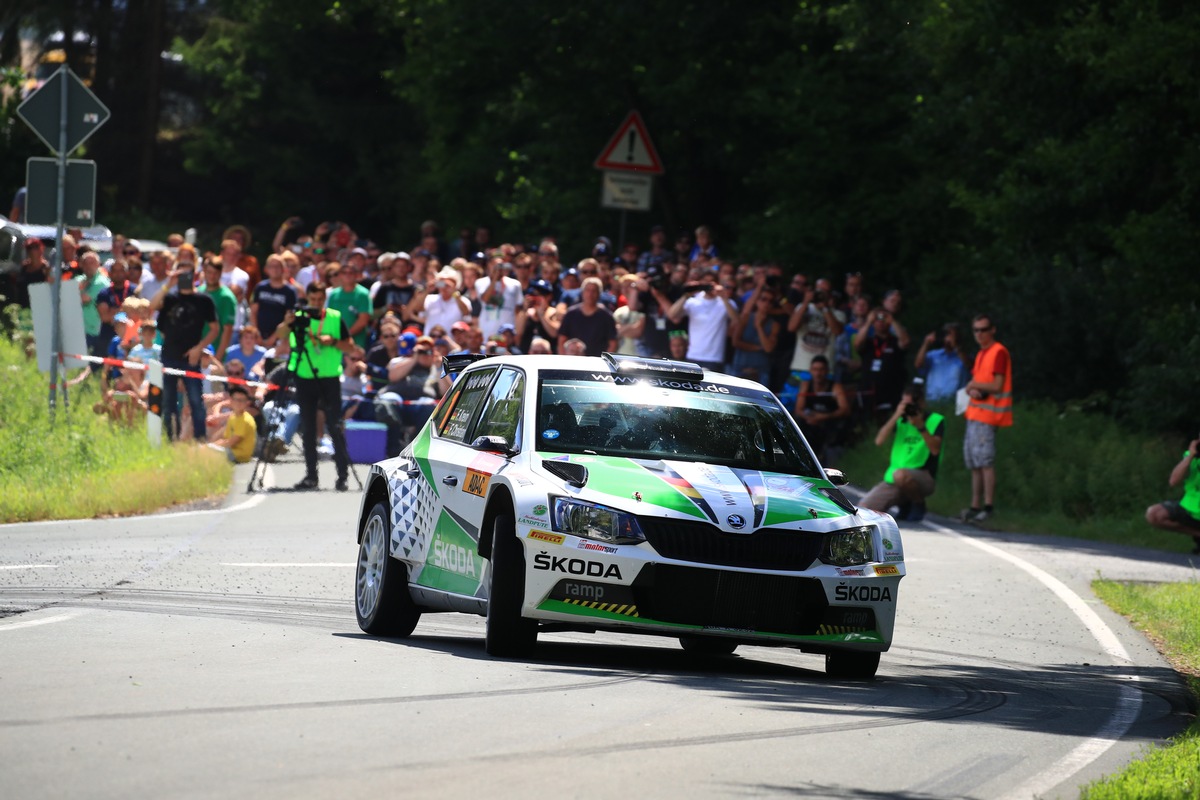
405, 309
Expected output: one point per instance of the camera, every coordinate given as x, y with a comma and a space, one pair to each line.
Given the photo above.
699, 286
302, 318
821, 297
657, 277
910, 410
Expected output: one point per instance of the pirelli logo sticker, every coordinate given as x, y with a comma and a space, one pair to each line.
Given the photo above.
886, 569
548, 538
477, 483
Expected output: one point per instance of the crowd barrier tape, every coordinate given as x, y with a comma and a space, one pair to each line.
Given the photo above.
181, 373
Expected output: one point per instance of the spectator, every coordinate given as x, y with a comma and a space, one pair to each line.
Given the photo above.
91, 283
188, 322
589, 321
817, 323
248, 352
70, 252
847, 364
822, 409
272, 299
507, 337
709, 313
240, 428
231, 274
34, 269
678, 345
573, 347
631, 323
540, 318
146, 350
226, 304
683, 248
446, 305
990, 407
1182, 516
540, 346
755, 334
245, 262
352, 300
500, 296
396, 292
893, 304
704, 246
944, 368
916, 451
884, 373
852, 290
409, 397
112, 297
160, 265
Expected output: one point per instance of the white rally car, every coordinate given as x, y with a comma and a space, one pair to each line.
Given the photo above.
635, 495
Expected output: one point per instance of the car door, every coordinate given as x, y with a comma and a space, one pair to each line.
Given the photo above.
451, 560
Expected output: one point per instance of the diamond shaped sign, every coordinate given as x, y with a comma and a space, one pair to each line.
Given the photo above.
42, 110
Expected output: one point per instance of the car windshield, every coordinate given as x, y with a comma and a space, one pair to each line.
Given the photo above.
681, 420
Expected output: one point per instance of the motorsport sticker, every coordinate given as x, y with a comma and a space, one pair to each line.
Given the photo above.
477, 483
584, 544
885, 569
857, 571
549, 538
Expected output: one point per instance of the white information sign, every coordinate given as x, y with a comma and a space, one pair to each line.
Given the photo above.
627, 191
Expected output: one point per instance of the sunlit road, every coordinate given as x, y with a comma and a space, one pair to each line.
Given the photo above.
216, 655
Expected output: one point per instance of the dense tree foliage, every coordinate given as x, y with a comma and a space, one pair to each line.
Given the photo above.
1037, 159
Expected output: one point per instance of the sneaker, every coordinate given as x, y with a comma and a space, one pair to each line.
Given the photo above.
968, 514
325, 448
980, 516
309, 483
342, 484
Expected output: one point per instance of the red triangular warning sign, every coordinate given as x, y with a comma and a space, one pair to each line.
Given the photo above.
630, 149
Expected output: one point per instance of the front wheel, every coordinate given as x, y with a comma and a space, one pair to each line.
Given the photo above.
382, 601
853, 666
509, 635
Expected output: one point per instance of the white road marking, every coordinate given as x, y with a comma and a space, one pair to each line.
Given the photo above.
1129, 700
280, 564
30, 623
29, 566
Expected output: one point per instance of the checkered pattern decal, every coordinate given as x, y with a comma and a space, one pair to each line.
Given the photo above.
414, 511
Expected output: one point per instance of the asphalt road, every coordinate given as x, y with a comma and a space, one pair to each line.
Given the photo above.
216, 654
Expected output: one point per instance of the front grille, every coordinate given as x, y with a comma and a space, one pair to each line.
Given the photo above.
707, 544
722, 599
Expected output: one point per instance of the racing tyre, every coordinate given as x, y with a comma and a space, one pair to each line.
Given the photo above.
853, 666
706, 646
509, 635
381, 599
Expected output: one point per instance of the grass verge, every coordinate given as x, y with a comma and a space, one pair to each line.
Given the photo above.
1169, 614
85, 466
1059, 472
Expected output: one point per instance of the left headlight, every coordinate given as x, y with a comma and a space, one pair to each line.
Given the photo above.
595, 522
850, 547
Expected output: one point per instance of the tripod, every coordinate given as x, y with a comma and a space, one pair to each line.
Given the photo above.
335, 426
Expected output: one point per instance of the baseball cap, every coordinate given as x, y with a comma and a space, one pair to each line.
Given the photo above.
358, 251
403, 255
508, 327
460, 326
601, 249
407, 340
539, 286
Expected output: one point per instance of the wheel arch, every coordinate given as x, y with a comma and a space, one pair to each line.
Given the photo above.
500, 500
377, 492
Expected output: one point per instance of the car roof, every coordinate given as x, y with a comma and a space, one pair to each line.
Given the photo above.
600, 364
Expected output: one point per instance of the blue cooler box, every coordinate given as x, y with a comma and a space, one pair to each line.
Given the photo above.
366, 442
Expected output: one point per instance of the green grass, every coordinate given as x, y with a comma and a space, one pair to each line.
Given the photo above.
1065, 473
84, 466
1169, 614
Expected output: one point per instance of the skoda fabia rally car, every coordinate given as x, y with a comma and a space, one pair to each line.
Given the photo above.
616, 493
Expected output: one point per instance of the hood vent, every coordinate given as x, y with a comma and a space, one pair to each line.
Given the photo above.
574, 474
835, 494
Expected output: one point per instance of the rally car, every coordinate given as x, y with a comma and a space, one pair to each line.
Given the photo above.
551, 493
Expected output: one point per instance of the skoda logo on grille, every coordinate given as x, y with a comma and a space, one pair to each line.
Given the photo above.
736, 521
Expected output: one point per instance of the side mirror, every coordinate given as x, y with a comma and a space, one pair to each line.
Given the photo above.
492, 444
836, 477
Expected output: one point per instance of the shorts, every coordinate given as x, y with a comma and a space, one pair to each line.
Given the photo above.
1180, 515
979, 445
884, 495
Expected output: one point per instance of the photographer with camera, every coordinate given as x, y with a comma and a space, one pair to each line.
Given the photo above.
318, 337
652, 294
916, 452
709, 313
1182, 516
817, 322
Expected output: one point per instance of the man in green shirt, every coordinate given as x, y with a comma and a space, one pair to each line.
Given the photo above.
352, 301
226, 303
916, 451
1182, 516
91, 283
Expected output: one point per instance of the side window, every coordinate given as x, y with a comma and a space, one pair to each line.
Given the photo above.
469, 393
502, 414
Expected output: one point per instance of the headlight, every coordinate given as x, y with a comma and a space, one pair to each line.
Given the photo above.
595, 522
849, 547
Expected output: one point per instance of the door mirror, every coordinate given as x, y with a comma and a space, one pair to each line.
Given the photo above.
492, 444
836, 477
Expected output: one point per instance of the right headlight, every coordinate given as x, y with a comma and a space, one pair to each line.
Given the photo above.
595, 521
850, 547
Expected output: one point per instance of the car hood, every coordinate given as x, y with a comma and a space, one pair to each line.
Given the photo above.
735, 500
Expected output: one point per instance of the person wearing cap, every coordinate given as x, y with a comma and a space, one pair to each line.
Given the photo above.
500, 297
188, 321
91, 283
445, 305
507, 338
539, 318
410, 394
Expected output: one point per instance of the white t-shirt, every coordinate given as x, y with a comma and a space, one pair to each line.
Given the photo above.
441, 312
510, 298
707, 325
305, 276
814, 338
235, 277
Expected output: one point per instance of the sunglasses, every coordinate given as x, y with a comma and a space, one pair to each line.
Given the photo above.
982, 330
423, 352
132, 252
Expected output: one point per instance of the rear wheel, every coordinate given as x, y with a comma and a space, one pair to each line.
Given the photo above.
509, 635
706, 646
854, 666
382, 602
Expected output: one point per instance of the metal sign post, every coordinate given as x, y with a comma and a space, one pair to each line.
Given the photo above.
63, 122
